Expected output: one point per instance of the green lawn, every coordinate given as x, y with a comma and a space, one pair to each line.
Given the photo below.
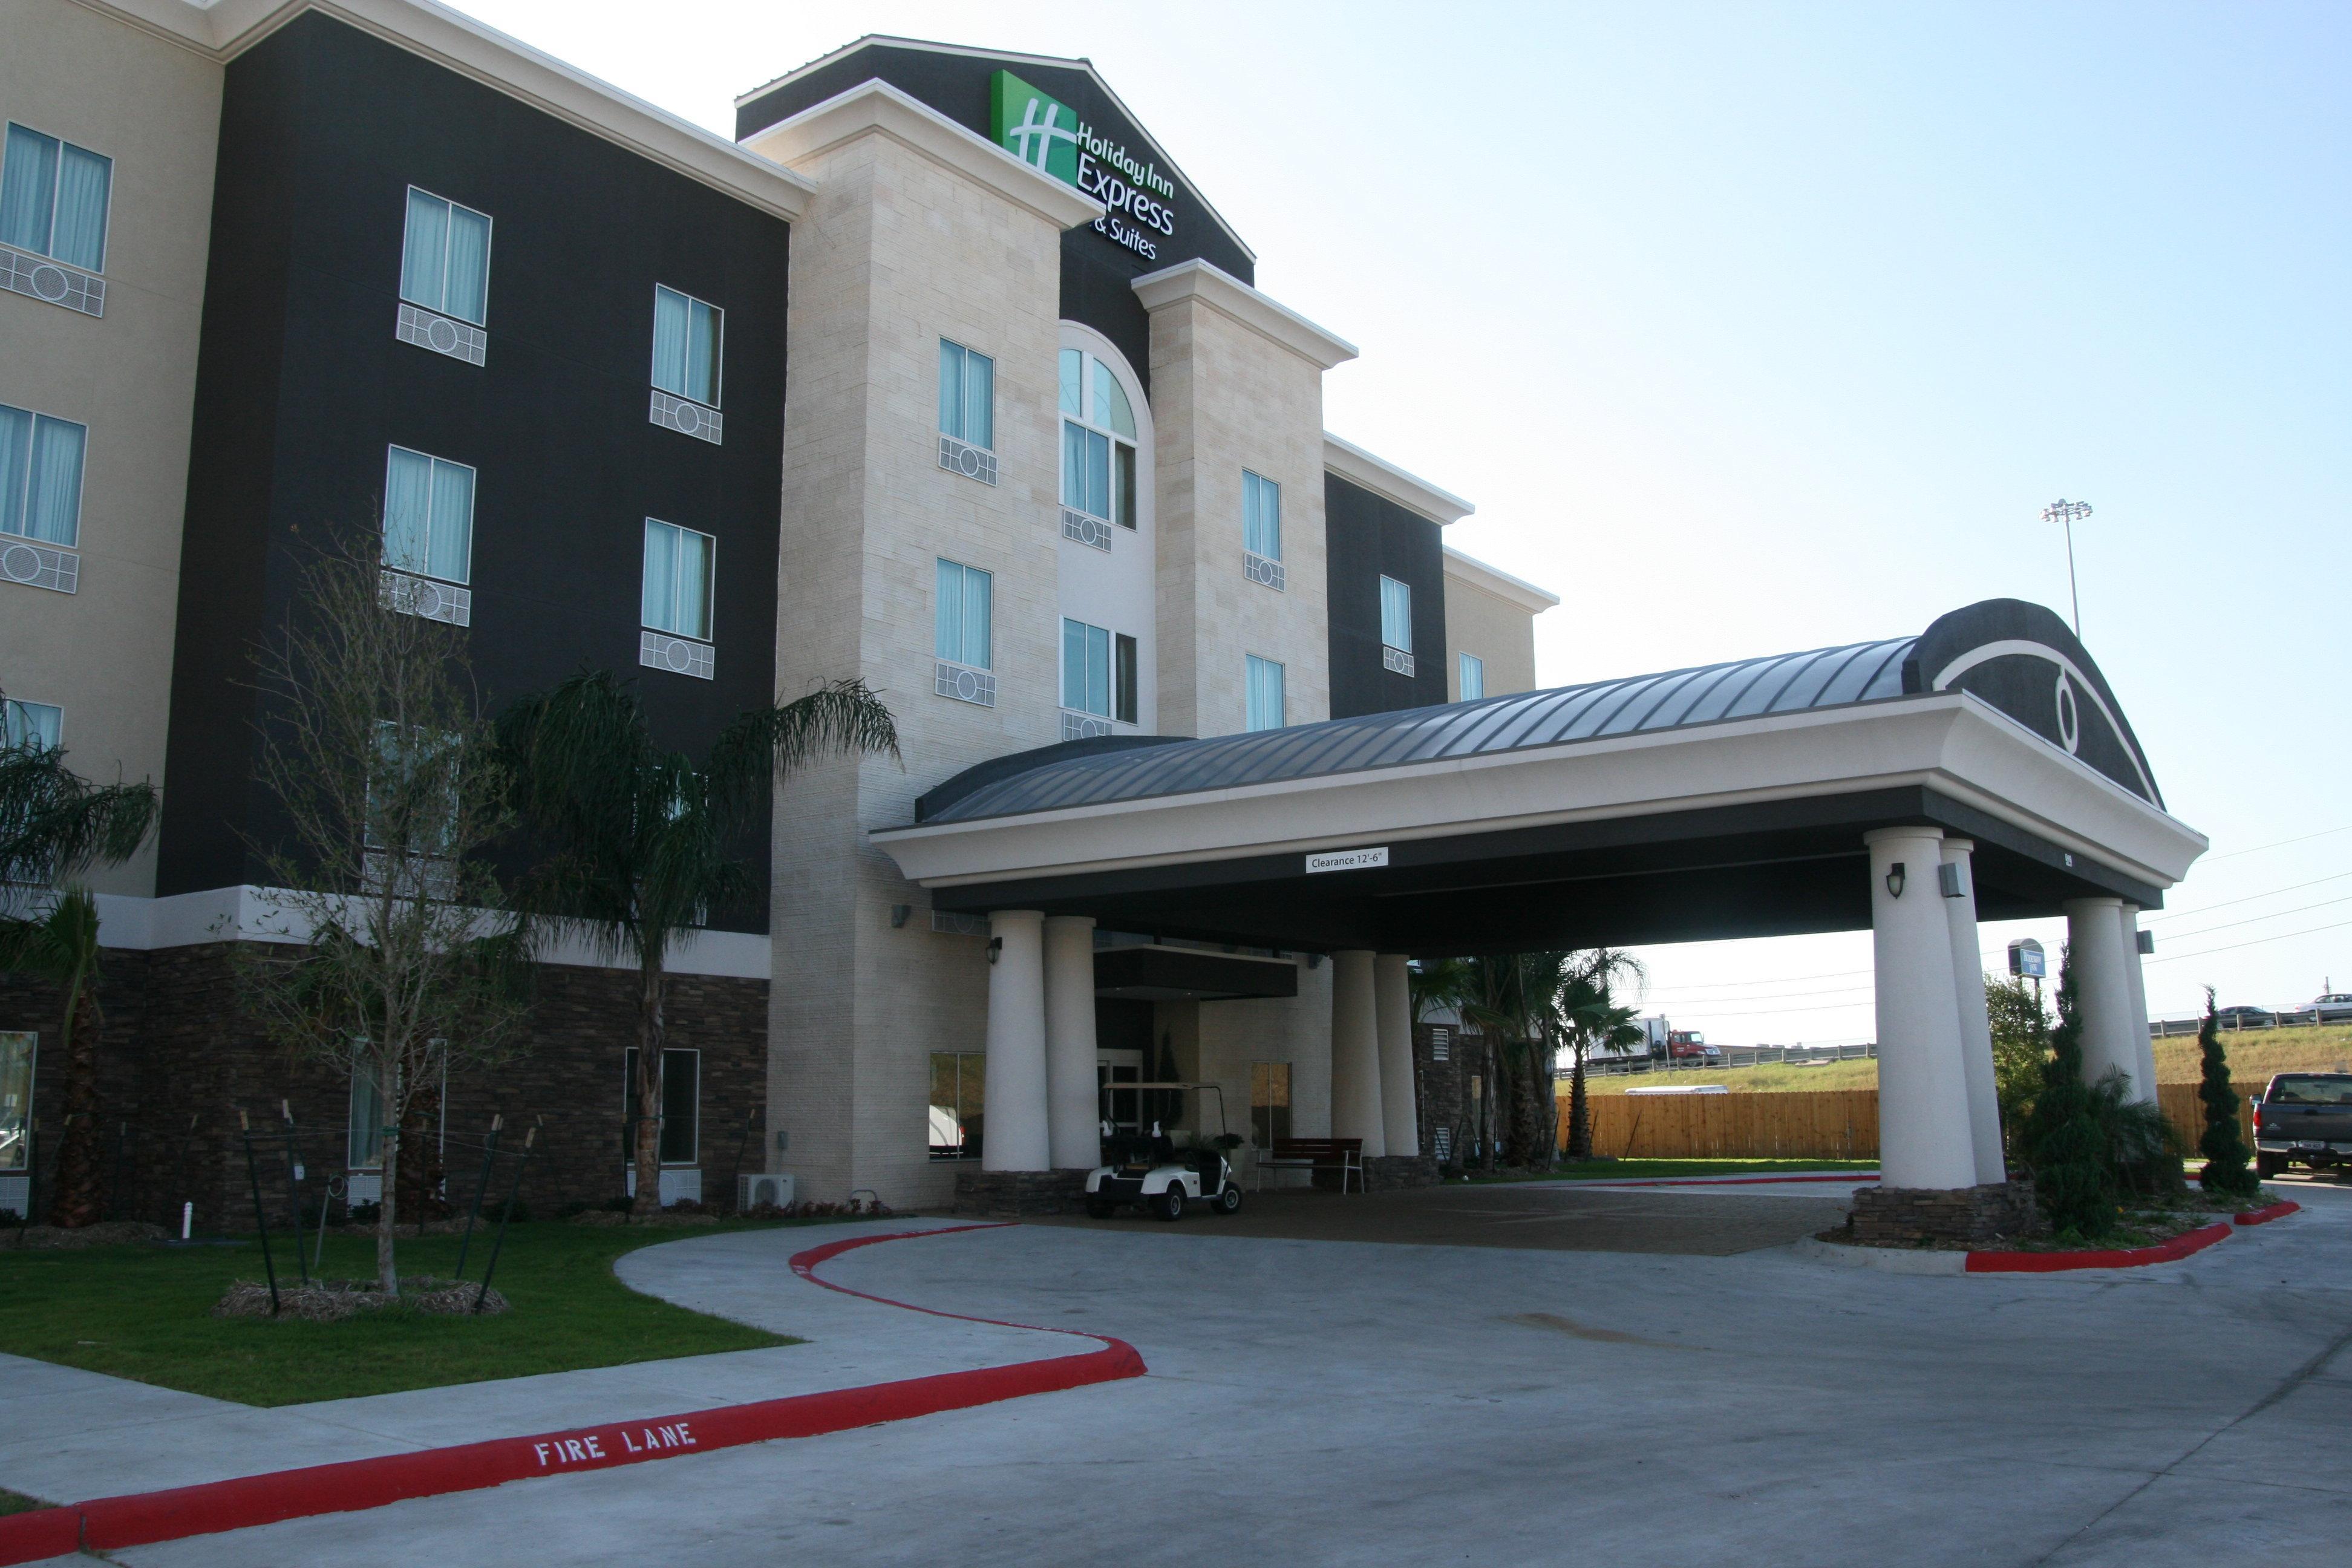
144, 1312
1641, 1170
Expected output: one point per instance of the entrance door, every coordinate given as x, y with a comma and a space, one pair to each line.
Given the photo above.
1122, 1108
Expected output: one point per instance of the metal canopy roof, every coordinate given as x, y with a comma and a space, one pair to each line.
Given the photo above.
1078, 775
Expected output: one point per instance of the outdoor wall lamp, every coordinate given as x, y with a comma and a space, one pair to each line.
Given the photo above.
995, 946
1947, 881
898, 913
1894, 879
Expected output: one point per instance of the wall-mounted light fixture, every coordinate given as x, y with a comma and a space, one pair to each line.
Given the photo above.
1895, 878
2147, 943
1314, 960
1947, 881
898, 913
995, 946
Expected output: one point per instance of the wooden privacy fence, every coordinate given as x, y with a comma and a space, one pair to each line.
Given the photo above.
1808, 1125
1815, 1124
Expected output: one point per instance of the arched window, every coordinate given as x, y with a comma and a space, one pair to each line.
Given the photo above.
1099, 440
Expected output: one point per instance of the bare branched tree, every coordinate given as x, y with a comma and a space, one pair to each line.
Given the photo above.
389, 957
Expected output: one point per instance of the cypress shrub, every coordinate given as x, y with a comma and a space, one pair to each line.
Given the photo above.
2066, 1145
2223, 1146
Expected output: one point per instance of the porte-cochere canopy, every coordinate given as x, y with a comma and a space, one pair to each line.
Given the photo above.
1727, 800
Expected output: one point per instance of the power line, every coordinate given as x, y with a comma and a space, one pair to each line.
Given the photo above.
2258, 941
2250, 897
2256, 920
2280, 844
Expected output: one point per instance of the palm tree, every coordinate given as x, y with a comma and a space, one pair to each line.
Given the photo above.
642, 842
54, 825
1589, 1003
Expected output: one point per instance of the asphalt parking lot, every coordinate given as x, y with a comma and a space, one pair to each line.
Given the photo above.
1315, 1401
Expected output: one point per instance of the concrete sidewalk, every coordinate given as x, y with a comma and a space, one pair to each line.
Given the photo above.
67, 1435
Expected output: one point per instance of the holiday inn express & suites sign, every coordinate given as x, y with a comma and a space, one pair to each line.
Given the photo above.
1049, 135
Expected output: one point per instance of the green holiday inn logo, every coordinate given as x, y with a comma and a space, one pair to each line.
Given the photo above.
1049, 136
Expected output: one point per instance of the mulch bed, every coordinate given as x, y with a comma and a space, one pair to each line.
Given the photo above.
329, 1300
111, 1233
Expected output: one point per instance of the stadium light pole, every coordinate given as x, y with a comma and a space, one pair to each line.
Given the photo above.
2066, 511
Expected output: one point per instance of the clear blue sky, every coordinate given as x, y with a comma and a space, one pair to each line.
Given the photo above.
1753, 328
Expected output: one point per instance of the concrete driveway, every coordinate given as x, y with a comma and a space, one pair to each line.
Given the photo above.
1337, 1402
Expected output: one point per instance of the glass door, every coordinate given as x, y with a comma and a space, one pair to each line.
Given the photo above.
1121, 1107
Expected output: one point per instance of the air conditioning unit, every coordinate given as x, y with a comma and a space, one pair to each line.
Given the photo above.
751, 1191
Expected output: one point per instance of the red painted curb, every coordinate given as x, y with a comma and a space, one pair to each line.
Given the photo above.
2170, 1251
2268, 1212
143, 1518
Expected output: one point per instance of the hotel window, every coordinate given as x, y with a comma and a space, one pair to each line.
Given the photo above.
688, 342
1269, 1104
677, 580
37, 725
1099, 675
428, 516
1097, 440
444, 258
1473, 677
958, 1081
41, 476
1261, 516
363, 1141
1396, 614
682, 1105
1264, 696
967, 395
18, 1047
53, 198
964, 614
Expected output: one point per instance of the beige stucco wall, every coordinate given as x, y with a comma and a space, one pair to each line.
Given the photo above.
896, 252
1225, 398
1498, 631
104, 653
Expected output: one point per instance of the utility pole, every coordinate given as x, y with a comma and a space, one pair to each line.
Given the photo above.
2066, 511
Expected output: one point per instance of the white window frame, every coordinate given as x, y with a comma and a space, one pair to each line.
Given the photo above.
1110, 667
1467, 667
988, 637
473, 500
709, 634
490, 251
1386, 582
106, 224
81, 480
1256, 483
718, 349
13, 728
1250, 661
1096, 421
629, 1102
963, 404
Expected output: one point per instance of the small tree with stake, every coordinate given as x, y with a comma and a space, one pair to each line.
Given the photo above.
643, 843
2222, 1144
388, 959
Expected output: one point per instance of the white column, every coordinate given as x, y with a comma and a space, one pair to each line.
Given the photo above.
1356, 1110
1393, 1010
1074, 1118
1013, 1136
1924, 1137
1976, 1024
2136, 983
2095, 947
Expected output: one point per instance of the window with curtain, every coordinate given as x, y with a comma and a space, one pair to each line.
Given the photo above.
34, 724
1263, 694
53, 198
1097, 440
1123, 678
445, 259
363, 1143
1396, 614
1086, 669
428, 516
16, 1050
687, 344
682, 1105
963, 615
967, 395
1269, 1104
677, 580
1261, 516
41, 476
958, 1081
1473, 677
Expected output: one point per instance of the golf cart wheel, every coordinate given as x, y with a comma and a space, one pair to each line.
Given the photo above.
1170, 1204
2268, 1165
1098, 1209
1230, 1200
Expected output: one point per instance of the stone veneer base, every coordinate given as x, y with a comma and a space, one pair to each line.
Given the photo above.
1913, 1216
1017, 1195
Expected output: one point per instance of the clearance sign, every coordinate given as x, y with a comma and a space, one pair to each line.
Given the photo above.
1047, 134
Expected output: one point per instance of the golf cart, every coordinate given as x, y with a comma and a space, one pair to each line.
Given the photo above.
1151, 1172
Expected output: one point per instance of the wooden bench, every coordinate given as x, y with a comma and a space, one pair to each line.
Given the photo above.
1345, 1155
